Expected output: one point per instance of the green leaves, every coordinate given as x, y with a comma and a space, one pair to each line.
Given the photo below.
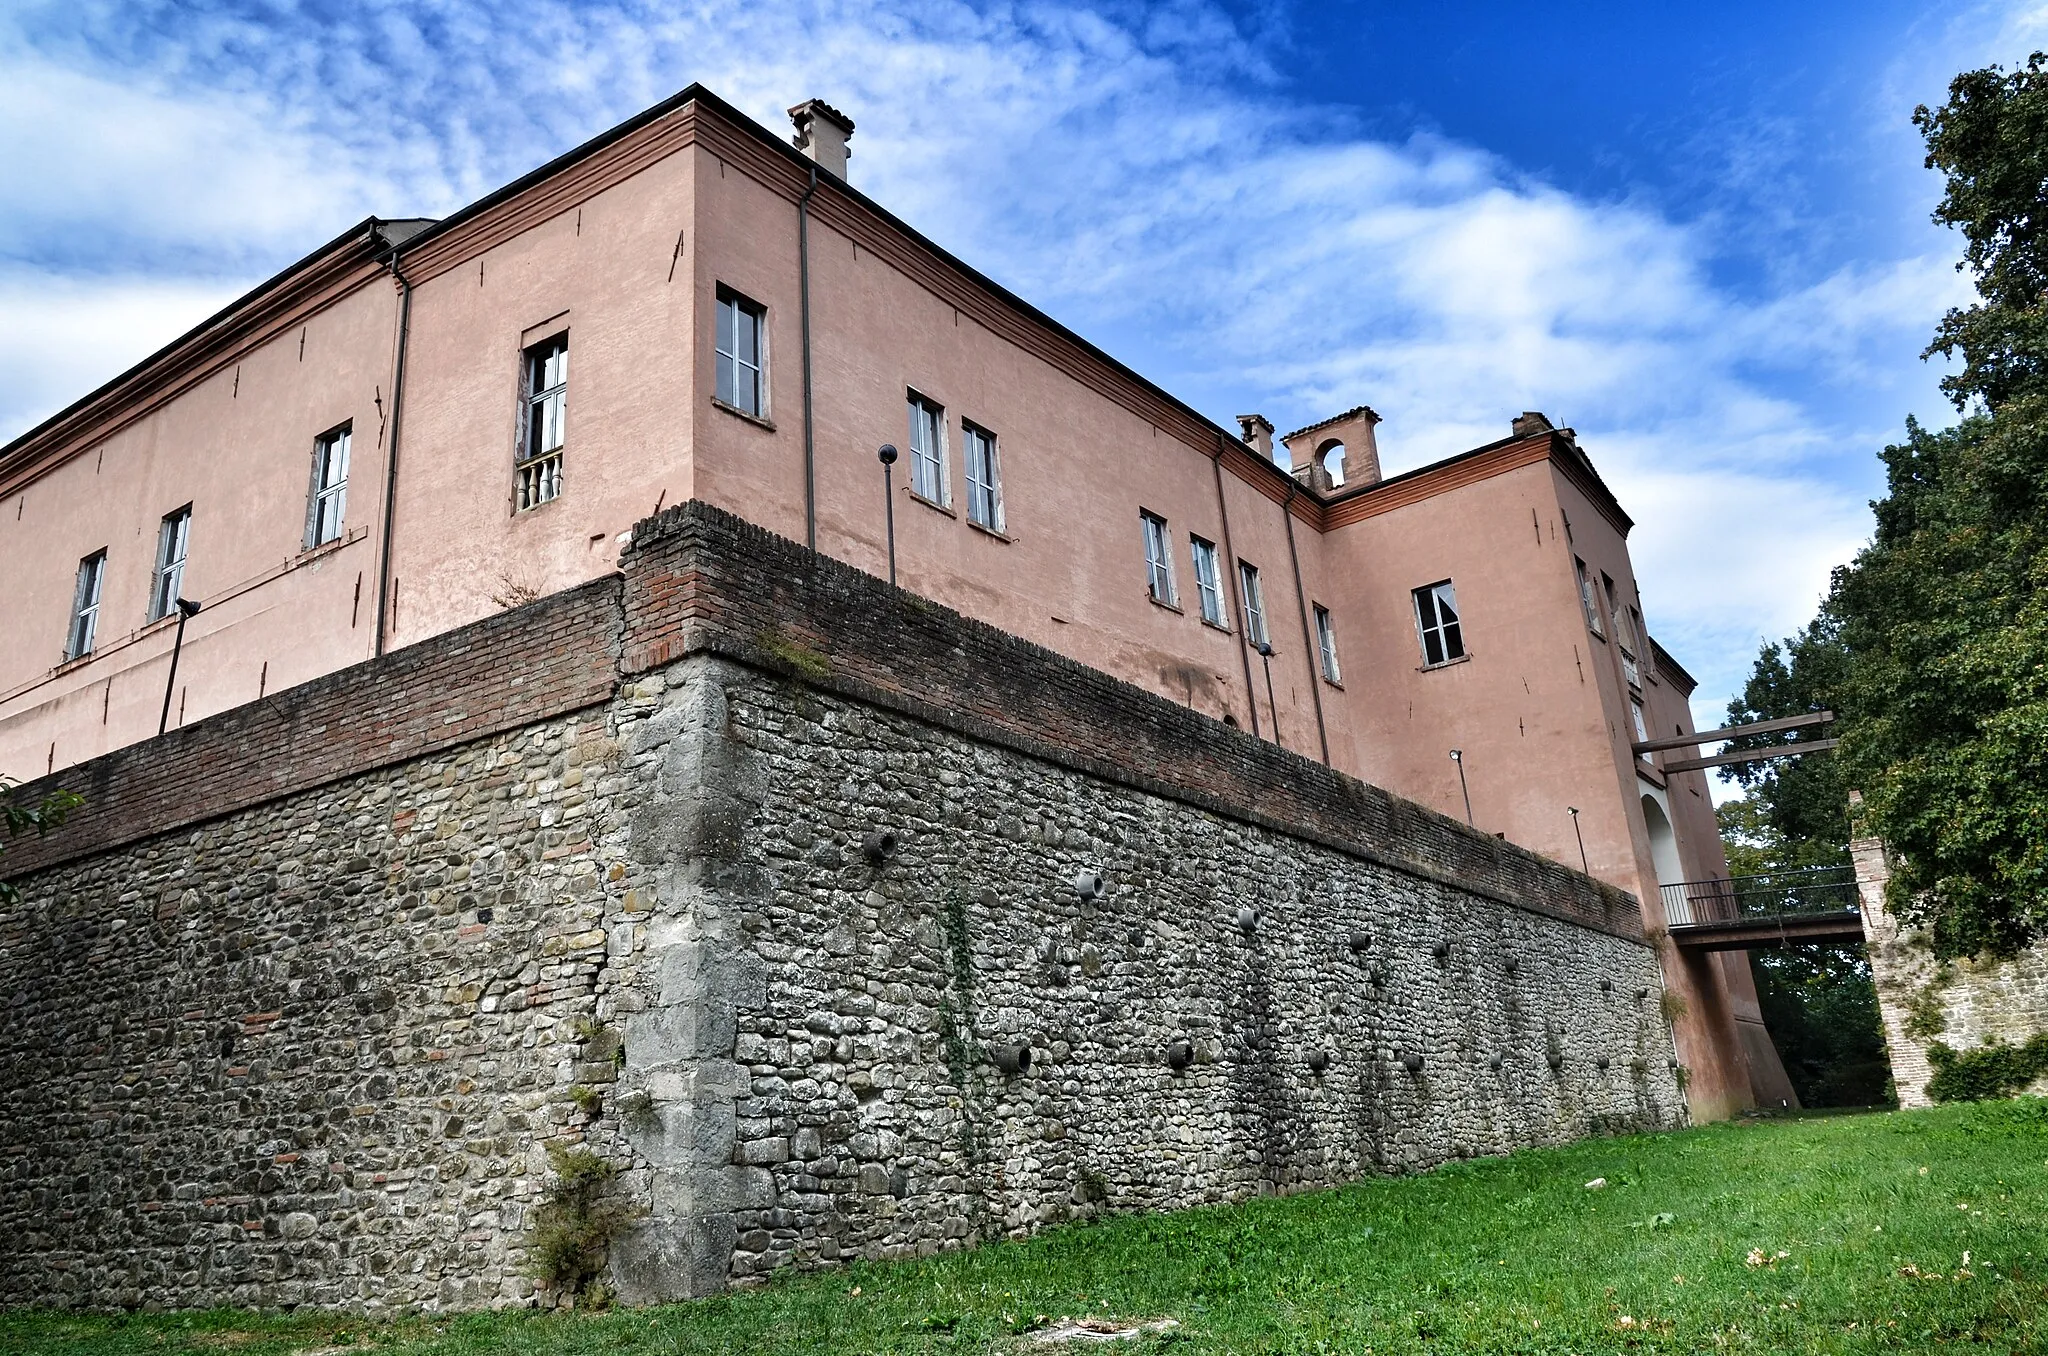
41, 816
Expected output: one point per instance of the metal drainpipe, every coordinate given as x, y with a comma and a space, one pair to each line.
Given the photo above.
1230, 587
391, 460
1312, 651
803, 271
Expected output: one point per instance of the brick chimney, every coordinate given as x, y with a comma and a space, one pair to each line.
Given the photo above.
1351, 436
1258, 433
1531, 423
822, 132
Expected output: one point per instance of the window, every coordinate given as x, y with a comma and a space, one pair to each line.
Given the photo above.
172, 539
547, 411
1635, 710
1586, 599
1254, 604
85, 605
927, 450
1436, 619
1624, 638
1208, 581
1159, 559
330, 488
984, 478
1326, 644
742, 330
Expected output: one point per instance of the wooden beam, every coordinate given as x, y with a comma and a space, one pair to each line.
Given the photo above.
1751, 755
1733, 732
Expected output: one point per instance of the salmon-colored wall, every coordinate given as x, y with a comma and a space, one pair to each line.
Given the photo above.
238, 447
598, 271
627, 265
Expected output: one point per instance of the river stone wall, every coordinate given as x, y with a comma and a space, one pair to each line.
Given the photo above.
1965, 1004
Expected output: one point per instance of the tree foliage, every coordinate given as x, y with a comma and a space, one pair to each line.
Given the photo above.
1943, 619
17, 818
1794, 812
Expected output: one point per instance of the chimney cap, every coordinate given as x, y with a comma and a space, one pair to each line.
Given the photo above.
1355, 412
802, 114
1250, 423
1532, 422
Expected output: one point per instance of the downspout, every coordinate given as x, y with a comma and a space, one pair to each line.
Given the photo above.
1244, 653
391, 460
1310, 650
803, 272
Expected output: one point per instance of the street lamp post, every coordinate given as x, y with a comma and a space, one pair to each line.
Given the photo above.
1266, 657
886, 454
1458, 757
187, 609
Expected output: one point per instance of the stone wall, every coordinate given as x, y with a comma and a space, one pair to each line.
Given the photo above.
1964, 1004
309, 1041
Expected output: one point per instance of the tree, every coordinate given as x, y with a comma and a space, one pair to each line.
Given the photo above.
1797, 809
42, 816
1943, 617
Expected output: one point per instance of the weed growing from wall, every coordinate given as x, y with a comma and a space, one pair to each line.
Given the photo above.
575, 1225
1925, 1018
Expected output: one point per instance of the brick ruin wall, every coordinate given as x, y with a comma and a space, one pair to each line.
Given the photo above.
1965, 1004
309, 1046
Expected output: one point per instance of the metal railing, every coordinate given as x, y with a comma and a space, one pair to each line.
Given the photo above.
1776, 894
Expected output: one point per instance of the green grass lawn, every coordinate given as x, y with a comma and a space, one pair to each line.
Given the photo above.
1883, 1232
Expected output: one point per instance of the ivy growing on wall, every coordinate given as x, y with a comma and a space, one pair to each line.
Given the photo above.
1995, 1070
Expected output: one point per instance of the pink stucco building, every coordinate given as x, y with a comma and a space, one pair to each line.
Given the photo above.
425, 422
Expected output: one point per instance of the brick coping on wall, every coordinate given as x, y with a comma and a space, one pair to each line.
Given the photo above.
698, 580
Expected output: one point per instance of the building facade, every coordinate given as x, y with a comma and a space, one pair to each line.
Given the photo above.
424, 423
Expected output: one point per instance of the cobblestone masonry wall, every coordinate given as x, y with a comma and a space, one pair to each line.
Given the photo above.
1964, 1004
818, 1033
306, 1040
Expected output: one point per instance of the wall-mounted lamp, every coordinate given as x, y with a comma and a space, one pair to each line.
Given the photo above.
1266, 658
187, 609
886, 454
1458, 757
1573, 811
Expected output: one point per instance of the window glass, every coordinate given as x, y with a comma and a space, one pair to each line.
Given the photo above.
984, 478
1158, 559
1208, 581
1254, 604
172, 541
1436, 619
741, 326
927, 450
85, 605
1326, 644
1586, 599
547, 413
330, 488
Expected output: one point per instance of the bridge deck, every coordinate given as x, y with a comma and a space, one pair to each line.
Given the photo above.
1757, 934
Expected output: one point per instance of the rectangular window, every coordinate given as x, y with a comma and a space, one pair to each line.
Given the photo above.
1254, 604
1436, 619
330, 488
742, 354
1635, 710
1159, 559
984, 477
85, 605
1326, 644
547, 412
1624, 637
927, 450
172, 540
1587, 600
1208, 581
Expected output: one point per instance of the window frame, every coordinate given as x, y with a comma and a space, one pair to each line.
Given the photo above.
85, 613
728, 363
1326, 645
973, 435
1252, 593
1215, 607
927, 417
173, 533
537, 470
1587, 600
1431, 625
1160, 585
321, 495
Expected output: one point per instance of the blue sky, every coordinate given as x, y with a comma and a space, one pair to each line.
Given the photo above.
1697, 233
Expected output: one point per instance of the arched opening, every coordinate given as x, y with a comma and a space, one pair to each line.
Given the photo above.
1330, 456
1663, 843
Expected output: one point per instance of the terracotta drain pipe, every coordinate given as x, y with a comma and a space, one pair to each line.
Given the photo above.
391, 457
803, 273
1311, 651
